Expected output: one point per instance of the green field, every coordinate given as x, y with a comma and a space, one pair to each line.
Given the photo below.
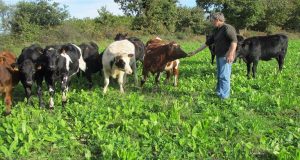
261, 120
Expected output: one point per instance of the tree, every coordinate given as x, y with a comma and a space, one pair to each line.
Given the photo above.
294, 19
5, 13
154, 16
239, 13
41, 13
190, 19
277, 13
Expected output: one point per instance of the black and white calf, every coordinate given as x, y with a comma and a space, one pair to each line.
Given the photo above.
31, 71
117, 60
93, 60
61, 63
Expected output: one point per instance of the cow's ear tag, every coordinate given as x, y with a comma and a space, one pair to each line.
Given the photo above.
14, 66
39, 67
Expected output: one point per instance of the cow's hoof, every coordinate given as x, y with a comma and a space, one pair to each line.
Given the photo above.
6, 113
42, 105
64, 104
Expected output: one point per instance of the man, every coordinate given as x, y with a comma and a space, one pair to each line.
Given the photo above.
225, 40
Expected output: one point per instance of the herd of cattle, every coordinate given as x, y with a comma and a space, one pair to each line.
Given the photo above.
59, 63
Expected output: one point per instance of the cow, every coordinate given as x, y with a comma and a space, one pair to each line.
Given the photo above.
171, 67
118, 60
138, 44
9, 77
61, 63
93, 60
31, 71
253, 49
156, 59
212, 46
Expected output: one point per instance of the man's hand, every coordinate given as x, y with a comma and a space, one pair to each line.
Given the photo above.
231, 52
230, 58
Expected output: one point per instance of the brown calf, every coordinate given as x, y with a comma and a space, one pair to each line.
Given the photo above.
158, 55
8, 77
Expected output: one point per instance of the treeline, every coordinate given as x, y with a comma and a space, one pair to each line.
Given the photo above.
45, 21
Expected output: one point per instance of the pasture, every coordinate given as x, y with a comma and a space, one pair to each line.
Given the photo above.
261, 120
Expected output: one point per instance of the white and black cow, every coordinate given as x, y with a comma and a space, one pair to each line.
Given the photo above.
61, 63
118, 60
31, 71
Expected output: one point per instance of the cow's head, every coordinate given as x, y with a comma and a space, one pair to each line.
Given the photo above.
51, 57
10, 66
120, 36
242, 49
175, 52
122, 62
28, 69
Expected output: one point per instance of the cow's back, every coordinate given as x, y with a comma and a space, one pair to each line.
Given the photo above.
267, 47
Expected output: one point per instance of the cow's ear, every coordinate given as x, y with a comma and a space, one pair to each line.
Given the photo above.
130, 55
15, 66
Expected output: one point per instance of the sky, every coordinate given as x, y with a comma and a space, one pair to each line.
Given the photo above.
88, 8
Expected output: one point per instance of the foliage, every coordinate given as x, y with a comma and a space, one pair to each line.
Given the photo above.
155, 16
259, 121
40, 13
190, 19
294, 20
241, 14
5, 15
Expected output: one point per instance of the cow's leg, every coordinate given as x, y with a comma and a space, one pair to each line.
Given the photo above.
120, 81
8, 101
106, 81
212, 58
280, 60
145, 75
51, 86
134, 68
40, 92
28, 94
176, 74
89, 79
157, 78
248, 69
168, 73
65, 88
254, 68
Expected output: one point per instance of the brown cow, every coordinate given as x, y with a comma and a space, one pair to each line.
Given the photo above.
158, 54
9, 77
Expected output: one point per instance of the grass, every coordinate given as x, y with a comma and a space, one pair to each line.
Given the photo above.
261, 120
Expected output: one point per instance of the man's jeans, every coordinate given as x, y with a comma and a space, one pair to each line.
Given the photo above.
223, 77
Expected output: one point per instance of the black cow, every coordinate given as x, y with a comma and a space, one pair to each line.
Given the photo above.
212, 47
61, 63
31, 70
138, 44
253, 49
90, 53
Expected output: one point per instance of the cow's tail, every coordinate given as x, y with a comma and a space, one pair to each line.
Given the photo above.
82, 64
